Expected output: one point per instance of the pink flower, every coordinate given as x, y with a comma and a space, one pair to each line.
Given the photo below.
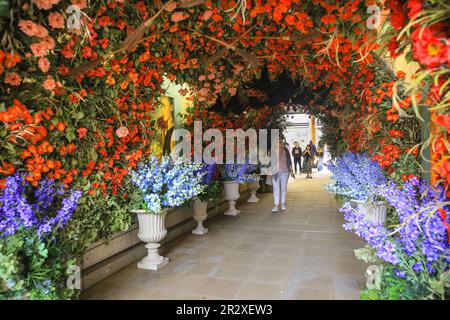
44, 64
49, 84
56, 20
122, 132
39, 49
13, 79
28, 27
48, 42
179, 16
32, 29
202, 78
80, 3
41, 31
211, 76
45, 4
232, 91
170, 6
207, 14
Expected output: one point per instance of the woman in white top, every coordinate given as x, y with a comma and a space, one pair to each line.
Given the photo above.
280, 174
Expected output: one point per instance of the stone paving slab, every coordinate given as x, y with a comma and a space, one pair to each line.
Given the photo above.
302, 253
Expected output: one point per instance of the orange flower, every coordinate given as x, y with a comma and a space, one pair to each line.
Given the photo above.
11, 59
124, 84
60, 126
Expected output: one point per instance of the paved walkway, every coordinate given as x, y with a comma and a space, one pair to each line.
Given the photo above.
302, 253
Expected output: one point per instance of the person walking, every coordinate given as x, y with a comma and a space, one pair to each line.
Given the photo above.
308, 155
281, 169
297, 156
313, 148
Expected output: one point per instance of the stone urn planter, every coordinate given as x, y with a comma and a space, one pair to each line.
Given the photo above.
152, 230
376, 212
373, 211
253, 187
231, 195
200, 213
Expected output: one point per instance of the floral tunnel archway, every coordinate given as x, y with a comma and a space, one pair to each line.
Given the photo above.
80, 79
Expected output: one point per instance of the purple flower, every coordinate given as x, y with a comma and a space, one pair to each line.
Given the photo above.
23, 207
399, 273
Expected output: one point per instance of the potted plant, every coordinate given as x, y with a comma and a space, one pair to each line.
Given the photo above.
356, 177
160, 186
200, 203
232, 175
252, 183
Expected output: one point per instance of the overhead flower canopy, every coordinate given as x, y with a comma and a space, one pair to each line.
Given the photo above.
79, 78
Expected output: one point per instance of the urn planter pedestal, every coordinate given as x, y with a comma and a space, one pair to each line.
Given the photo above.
253, 187
373, 211
200, 213
152, 230
231, 195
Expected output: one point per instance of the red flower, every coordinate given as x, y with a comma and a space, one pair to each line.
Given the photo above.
427, 49
86, 52
395, 133
104, 21
392, 46
398, 14
414, 8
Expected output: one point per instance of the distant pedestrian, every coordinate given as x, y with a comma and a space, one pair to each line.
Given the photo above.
313, 148
297, 156
308, 155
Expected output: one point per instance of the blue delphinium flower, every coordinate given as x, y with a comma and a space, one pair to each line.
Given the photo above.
166, 184
421, 227
241, 173
373, 232
355, 176
399, 273
419, 243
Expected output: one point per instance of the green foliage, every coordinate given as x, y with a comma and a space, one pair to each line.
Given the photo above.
211, 191
33, 267
111, 214
391, 287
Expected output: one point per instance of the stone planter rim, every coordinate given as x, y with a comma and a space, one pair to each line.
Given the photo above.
368, 203
163, 211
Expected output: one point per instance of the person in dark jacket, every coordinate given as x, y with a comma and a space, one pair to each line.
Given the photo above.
313, 148
297, 156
